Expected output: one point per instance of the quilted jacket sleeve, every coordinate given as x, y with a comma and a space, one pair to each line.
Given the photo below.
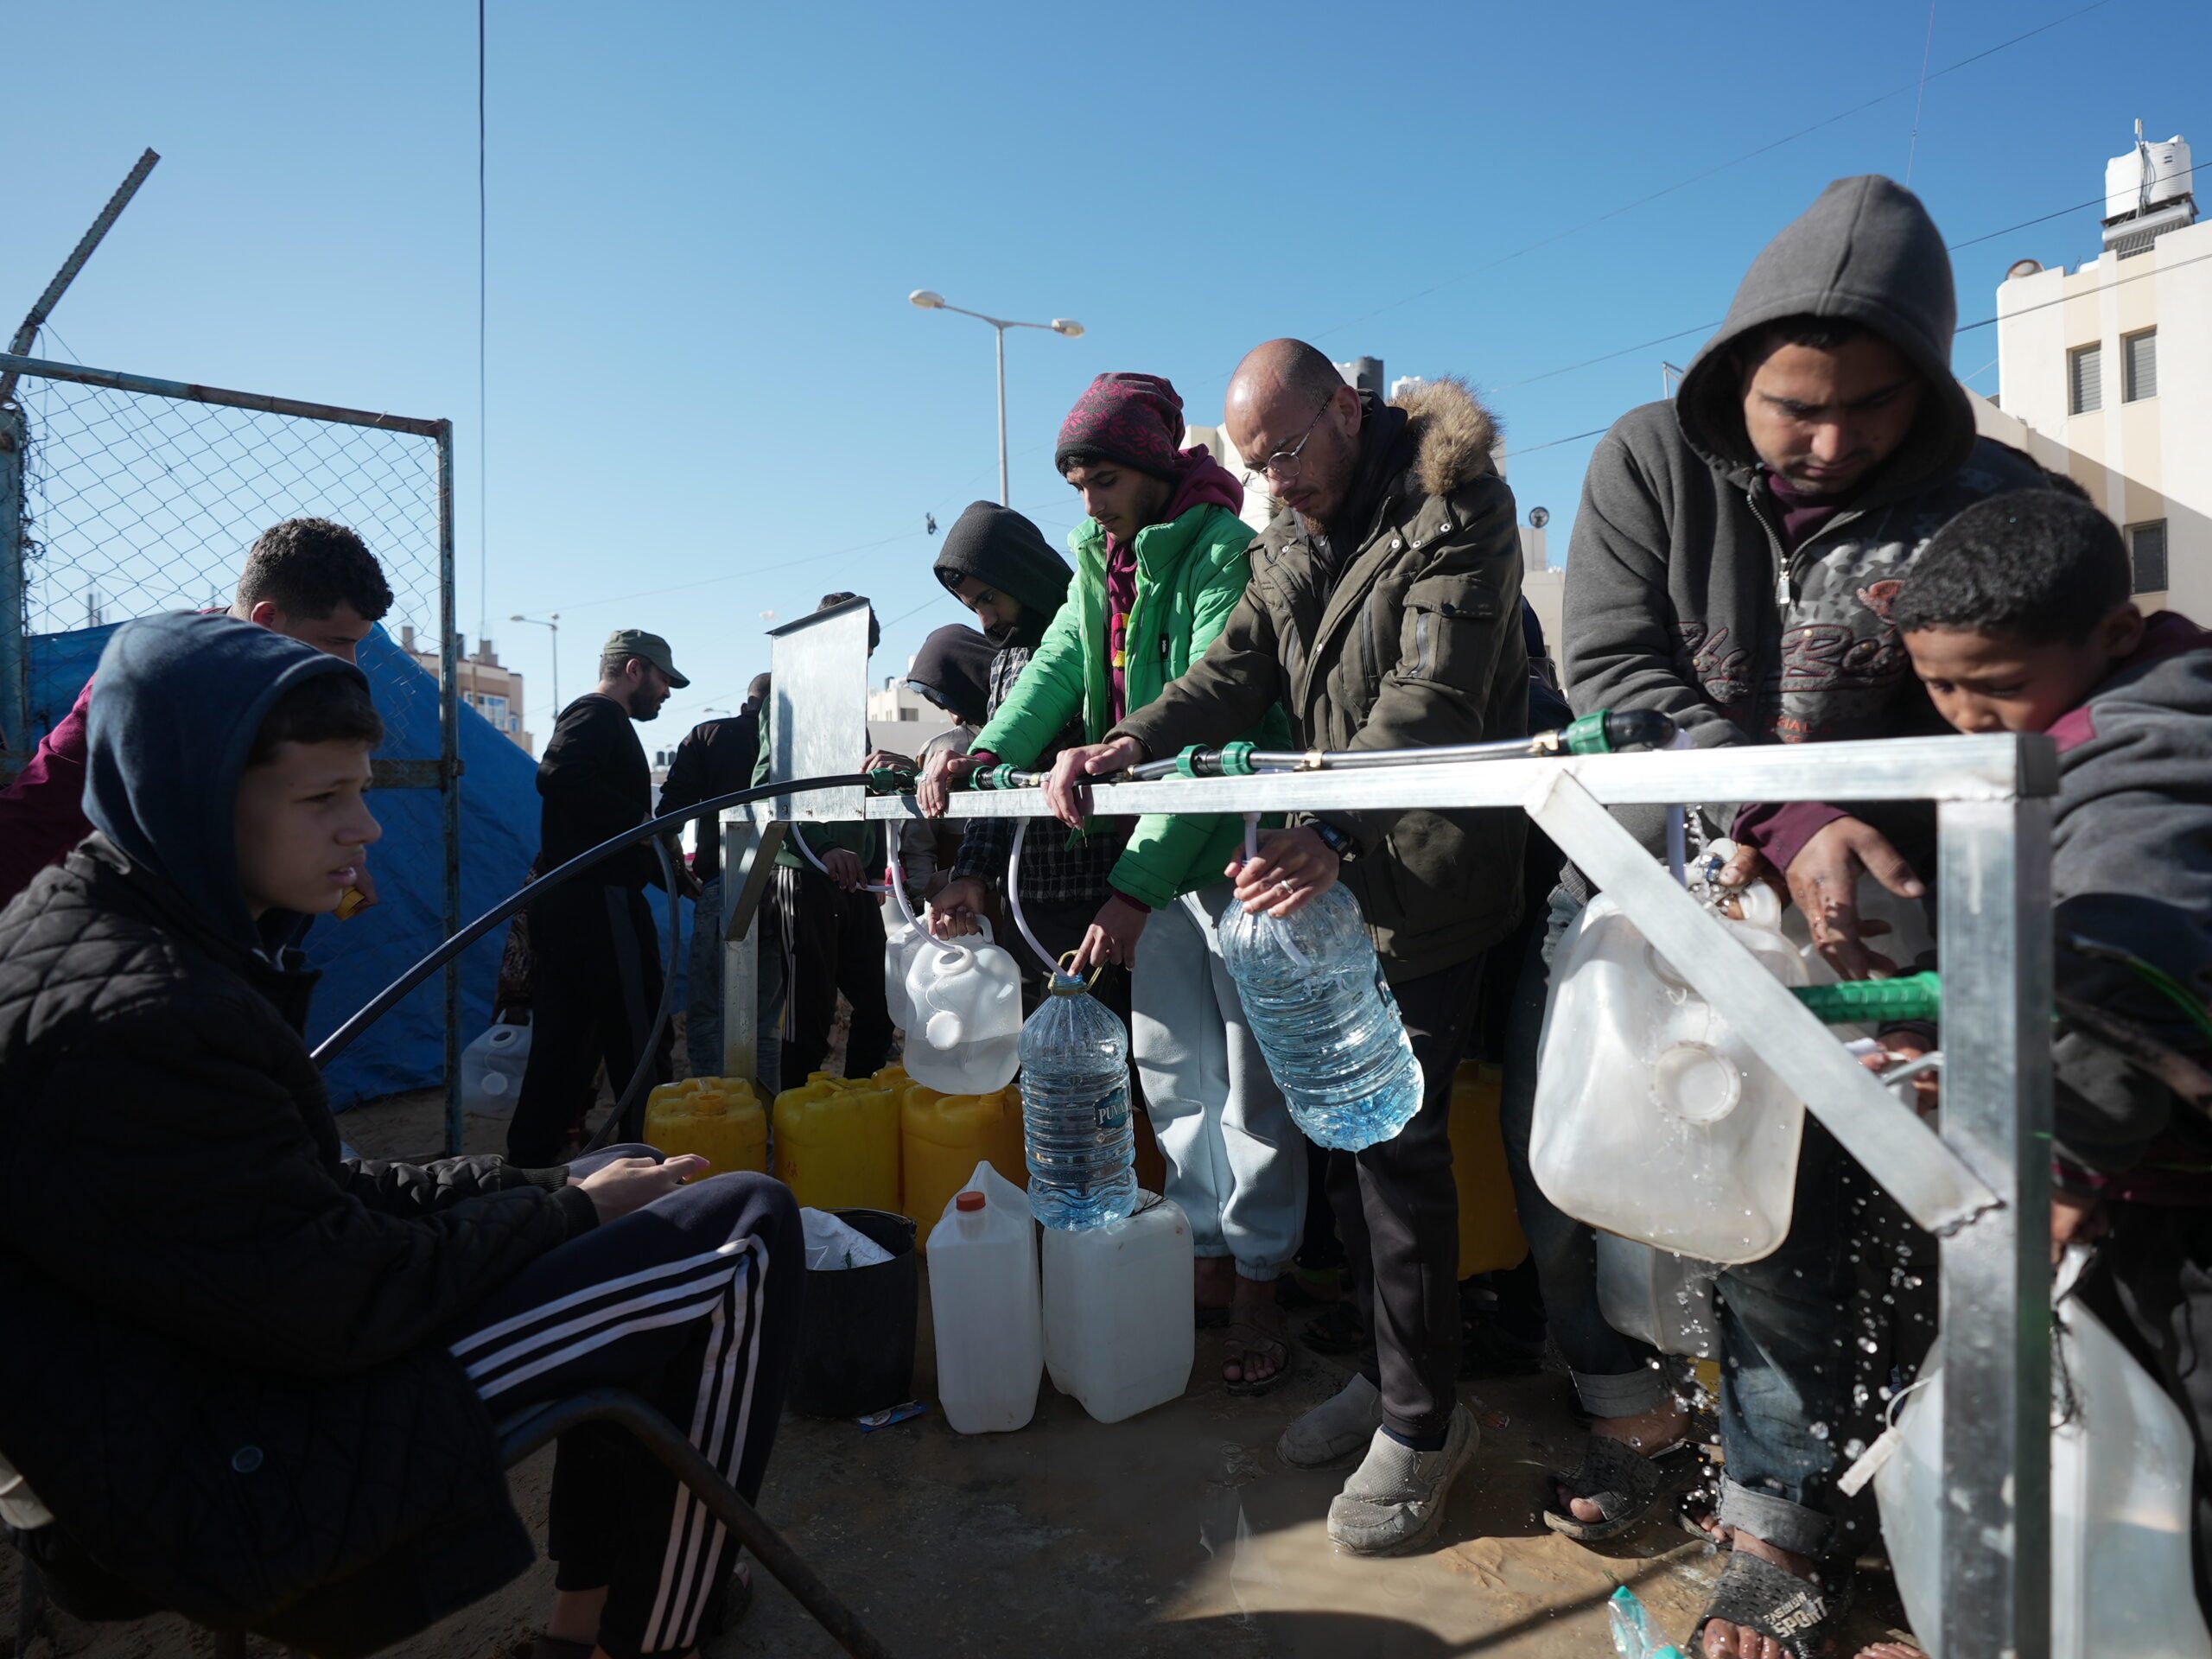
168, 1175
398, 1189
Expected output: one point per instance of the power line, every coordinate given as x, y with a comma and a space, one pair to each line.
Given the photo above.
2117, 281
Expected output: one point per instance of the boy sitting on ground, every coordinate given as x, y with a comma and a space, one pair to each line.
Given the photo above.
2019, 619
247, 1379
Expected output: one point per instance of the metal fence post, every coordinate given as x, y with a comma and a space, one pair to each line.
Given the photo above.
1995, 889
15, 645
449, 776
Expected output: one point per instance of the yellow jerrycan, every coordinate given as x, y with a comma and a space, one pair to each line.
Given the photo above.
719, 1118
1490, 1226
837, 1143
947, 1135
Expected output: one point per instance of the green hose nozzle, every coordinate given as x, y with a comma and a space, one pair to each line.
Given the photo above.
1875, 1001
1608, 731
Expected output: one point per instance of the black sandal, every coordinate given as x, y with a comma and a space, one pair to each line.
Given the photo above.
1620, 1480
1339, 1331
1804, 1615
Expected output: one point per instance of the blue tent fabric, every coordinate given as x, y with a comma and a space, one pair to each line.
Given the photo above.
498, 837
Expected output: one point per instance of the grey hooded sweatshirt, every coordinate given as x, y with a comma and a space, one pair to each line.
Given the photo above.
1680, 595
2132, 867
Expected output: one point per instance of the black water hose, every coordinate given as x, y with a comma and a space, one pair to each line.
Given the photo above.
385, 1001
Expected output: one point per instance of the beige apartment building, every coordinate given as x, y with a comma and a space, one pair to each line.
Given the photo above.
2105, 371
494, 691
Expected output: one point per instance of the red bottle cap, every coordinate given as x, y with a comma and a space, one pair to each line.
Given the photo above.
970, 1199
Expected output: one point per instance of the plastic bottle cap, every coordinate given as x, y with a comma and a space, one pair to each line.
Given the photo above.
969, 1201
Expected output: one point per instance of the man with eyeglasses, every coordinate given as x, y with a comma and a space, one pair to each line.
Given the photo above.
1382, 613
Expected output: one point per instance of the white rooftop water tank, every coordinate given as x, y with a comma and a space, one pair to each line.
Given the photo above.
2147, 177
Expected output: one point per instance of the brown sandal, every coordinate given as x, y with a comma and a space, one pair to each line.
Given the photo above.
1257, 1330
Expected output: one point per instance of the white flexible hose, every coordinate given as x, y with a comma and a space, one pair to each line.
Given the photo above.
1013, 898
861, 886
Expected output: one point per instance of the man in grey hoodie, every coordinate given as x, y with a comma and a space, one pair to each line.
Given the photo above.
1732, 566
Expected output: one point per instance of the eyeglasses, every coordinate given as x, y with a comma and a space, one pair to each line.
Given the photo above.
1283, 465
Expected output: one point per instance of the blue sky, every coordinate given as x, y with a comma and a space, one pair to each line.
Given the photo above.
707, 395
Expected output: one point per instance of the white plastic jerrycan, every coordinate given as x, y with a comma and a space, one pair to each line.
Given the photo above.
983, 1306
492, 1069
965, 1037
2120, 1458
1117, 1334
1653, 1118
902, 941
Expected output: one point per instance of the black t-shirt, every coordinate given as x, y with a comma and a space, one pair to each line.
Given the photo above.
716, 757
594, 784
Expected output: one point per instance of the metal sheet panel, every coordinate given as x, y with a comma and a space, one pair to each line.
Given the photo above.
820, 712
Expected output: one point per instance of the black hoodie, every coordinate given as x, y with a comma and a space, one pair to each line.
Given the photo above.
1680, 594
999, 547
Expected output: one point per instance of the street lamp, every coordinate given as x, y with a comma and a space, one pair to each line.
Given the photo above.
555, 624
930, 301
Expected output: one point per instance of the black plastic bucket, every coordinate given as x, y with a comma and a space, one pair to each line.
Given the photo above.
856, 1339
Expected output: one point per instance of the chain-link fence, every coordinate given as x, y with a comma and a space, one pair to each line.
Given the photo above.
137, 502
123, 496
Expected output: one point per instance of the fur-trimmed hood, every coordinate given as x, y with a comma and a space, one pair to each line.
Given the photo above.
1453, 433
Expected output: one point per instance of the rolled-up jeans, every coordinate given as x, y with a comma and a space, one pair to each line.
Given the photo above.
1616, 1375
1787, 1362
702, 1011
1236, 1159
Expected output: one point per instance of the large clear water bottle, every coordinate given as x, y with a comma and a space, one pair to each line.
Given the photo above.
1314, 994
1075, 1111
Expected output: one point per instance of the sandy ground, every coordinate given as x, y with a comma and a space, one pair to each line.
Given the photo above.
1177, 1533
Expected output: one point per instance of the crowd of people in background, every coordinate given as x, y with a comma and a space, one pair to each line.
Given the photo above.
1810, 542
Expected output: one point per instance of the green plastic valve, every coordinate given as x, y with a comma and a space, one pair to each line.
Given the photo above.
1875, 1001
1237, 760
1587, 735
1187, 764
998, 777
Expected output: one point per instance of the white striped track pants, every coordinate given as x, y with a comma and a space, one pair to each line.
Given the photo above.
690, 1303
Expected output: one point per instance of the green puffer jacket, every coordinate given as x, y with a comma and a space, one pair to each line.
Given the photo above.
1191, 572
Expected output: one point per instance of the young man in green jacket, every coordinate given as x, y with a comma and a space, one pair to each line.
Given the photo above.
1161, 563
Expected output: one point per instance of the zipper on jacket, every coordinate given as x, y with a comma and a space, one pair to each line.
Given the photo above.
1788, 566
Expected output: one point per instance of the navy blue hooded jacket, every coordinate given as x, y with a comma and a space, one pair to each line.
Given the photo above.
220, 1362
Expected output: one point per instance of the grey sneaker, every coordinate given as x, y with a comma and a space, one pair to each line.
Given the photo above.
1394, 1499
1336, 1428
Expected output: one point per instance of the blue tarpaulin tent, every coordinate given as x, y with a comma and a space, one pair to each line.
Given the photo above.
498, 838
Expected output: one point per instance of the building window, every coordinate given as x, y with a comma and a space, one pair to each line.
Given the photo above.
2146, 547
495, 708
2085, 380
2141, 355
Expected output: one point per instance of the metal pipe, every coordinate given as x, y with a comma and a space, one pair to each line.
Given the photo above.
92, 239
522, 1436
45, 369
14, 633
1006, 499
449, 779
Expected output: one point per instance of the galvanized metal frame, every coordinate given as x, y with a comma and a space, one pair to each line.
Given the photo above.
1983, 1184
445, 775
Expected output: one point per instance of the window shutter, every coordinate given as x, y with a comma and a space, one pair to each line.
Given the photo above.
2146, 545
2142, 365
2085, 372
